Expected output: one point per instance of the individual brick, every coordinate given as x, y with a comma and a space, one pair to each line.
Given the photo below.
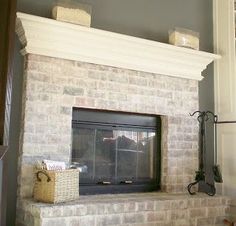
111, 219
133, 218
197, 212
205, 221
177, 214
179, 204
216, 211
162, 205
156, 216
87, 221
73, 91
54, 222
80, 210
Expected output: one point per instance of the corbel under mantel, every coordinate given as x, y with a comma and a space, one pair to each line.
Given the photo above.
53, 38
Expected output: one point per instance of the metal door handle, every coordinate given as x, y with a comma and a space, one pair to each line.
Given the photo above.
104, 182
126, 182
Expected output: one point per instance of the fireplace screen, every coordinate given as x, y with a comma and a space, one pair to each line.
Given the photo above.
115, 152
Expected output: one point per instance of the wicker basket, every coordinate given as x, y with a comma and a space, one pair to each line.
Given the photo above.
54, 186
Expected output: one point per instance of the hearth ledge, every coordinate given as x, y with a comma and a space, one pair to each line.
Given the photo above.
125, 209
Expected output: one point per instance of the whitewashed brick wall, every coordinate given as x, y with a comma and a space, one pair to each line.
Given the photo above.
53, 86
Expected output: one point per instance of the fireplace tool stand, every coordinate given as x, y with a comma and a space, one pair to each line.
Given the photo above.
200, 177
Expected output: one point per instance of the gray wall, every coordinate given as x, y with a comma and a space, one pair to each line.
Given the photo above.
149, 19
14, 134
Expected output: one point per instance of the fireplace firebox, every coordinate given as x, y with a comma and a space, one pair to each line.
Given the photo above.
116, 152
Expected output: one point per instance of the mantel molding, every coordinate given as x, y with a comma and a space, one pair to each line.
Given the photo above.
53, 38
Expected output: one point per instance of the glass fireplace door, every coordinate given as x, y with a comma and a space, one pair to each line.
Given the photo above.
115, 154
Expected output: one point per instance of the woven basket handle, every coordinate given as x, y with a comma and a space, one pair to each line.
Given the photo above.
42, 172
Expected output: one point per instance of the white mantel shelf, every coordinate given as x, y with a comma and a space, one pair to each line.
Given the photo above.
52, 38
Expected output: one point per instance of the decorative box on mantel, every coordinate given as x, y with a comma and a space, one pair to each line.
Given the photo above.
70, 66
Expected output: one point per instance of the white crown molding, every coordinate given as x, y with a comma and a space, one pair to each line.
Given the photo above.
52, 38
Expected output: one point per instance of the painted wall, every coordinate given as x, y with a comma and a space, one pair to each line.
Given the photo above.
146, 19
14, 134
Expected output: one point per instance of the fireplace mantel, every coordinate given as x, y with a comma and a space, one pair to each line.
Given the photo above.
52, 38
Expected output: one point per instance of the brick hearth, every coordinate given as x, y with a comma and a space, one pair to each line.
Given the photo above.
144, 209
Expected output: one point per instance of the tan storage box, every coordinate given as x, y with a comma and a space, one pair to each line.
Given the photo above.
55, 186
184, 38
74, 13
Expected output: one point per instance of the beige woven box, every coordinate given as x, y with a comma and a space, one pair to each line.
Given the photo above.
55, 186
76, 13
184, 38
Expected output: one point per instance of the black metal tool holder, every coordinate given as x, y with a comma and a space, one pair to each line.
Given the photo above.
203, 116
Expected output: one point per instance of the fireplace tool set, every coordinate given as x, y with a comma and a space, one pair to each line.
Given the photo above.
200, 178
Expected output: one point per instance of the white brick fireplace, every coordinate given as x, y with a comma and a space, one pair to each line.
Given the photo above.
54, 86
71, 66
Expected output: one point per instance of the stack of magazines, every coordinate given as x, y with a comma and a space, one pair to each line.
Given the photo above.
51, 165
